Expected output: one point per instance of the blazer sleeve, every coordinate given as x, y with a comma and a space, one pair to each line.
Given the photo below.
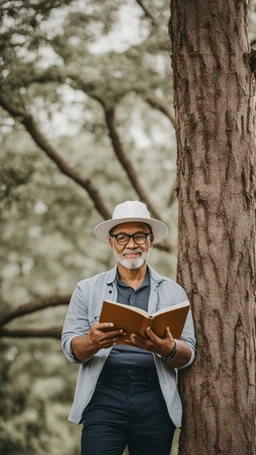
76, 322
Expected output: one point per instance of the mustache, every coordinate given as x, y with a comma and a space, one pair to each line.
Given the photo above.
132, 250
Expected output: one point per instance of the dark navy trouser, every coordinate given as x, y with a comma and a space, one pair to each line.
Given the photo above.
127, 408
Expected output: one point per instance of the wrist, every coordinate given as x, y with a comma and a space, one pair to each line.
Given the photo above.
72, 352
168, 358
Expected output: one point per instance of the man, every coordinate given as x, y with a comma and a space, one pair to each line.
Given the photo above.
126, 394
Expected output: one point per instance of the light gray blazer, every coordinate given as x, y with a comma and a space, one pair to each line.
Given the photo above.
84, 310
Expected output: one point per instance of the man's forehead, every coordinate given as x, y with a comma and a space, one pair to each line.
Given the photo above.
131, 227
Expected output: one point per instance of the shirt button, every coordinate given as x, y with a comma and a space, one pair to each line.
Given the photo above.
129, 371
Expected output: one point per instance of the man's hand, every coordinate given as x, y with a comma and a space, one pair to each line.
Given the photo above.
101, 335
161, 346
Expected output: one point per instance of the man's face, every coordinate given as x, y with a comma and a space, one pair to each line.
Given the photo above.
131, 256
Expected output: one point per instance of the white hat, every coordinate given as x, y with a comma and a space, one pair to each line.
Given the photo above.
127, 212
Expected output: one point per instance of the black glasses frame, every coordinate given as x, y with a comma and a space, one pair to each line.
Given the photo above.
131, 237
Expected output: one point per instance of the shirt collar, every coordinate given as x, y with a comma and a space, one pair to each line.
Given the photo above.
145, 282
111, 275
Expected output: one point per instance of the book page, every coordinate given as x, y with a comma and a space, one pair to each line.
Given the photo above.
130, 319
174, 318
133, 308
171, 308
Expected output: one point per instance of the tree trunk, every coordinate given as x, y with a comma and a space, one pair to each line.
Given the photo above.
215, 127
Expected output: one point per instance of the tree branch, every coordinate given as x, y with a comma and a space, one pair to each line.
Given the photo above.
129, 168
164, 246
51, 332
125, 161
158, 104
147, 12
33, 306
28, 121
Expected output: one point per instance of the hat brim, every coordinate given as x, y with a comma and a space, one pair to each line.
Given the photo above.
159, 229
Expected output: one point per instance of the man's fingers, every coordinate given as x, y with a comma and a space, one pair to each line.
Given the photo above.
108, 345
168, 333
141, 342
136, 339
102, 334
129, 342
109, 341
103, 325
113, 333
107, 329
152, 336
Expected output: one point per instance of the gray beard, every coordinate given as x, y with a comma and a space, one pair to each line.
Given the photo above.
133, 263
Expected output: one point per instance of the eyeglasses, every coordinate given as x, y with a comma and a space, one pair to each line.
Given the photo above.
123, 239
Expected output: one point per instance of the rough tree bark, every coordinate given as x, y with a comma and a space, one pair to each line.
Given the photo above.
215, 128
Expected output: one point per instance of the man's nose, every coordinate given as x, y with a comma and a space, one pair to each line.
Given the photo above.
131, 243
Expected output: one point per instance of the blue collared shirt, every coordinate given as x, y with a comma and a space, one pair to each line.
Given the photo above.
84, 310
124, 354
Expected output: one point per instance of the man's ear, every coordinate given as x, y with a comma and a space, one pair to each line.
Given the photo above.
151, 240
110, 241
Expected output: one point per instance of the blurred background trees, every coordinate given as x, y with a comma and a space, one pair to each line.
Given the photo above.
94, 81
86, 122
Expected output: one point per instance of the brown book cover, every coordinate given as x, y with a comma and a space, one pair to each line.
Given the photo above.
135, 320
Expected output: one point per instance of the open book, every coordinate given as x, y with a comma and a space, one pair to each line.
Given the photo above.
135, 320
